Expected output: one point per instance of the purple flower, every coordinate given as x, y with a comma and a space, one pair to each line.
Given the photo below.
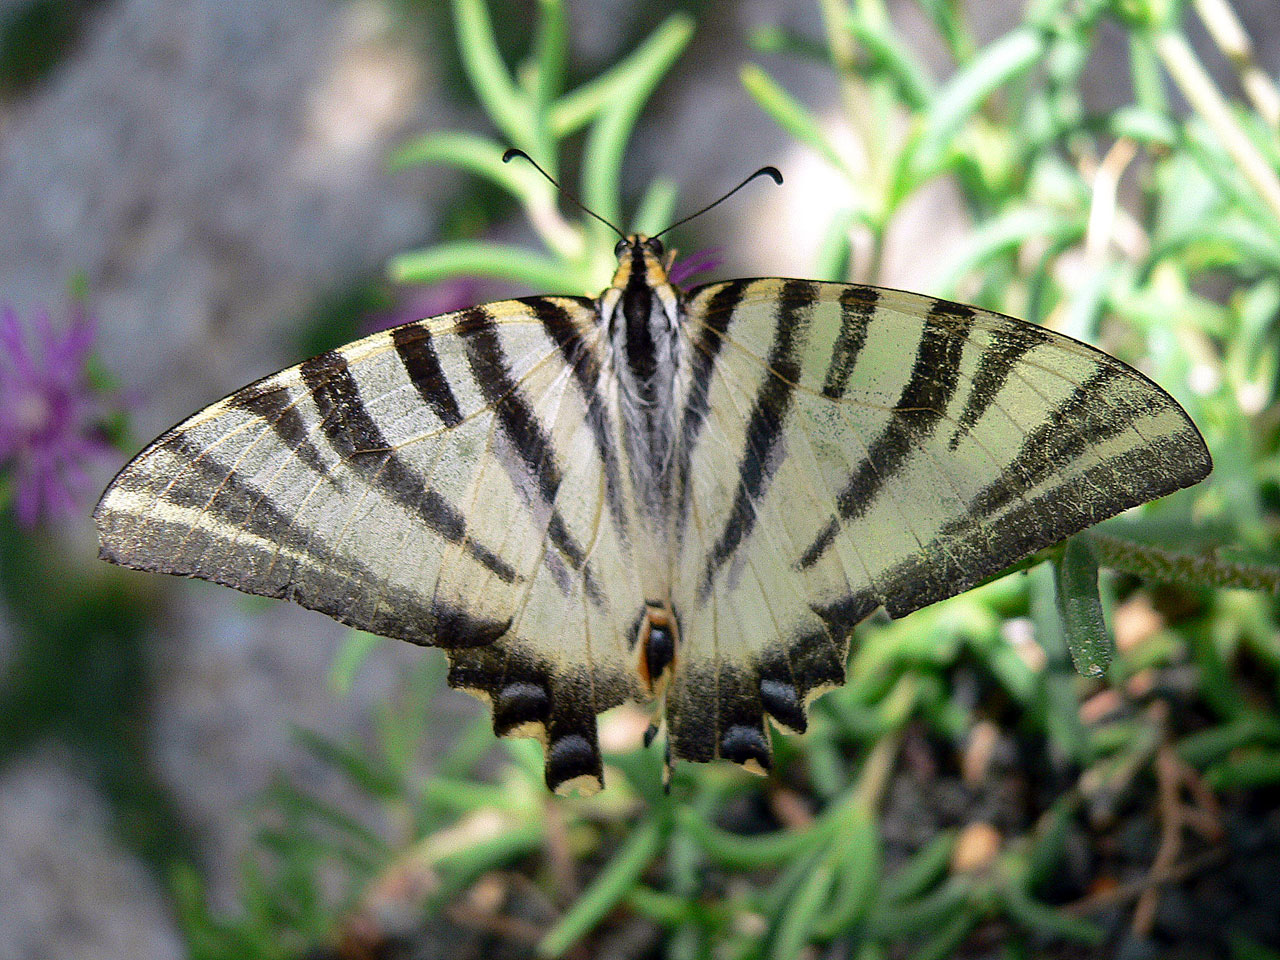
700, 261
50, 414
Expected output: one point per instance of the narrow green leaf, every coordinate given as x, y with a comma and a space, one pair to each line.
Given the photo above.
791, 115
747, 852
928, 912
364, 772
351, 655
925, 868
607, 141
657, 207
579, 107
798, 919
1260, 768
1048, 921
607, 890
1252, 727
1002, 235
835, 253
1057, 702
503, 101
469, 258
894, 58
1079, 605
478, 155
947, 940
858, 860
1049, 838
550, 51
997, 64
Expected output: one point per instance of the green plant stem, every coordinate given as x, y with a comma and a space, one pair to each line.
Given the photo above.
1168, 566
1228, 33
503, 100
1199, 89
607, 890
477, 259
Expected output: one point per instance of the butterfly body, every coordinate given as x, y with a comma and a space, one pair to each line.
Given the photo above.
657, 495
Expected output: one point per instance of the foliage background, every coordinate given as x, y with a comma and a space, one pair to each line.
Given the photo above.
184, 771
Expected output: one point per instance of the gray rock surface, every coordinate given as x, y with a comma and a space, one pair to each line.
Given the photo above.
210, 166
67, 888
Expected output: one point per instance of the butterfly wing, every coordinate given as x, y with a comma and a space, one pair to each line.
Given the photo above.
848, 447
451, 482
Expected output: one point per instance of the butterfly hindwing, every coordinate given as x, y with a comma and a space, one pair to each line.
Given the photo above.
451, 482
850, 447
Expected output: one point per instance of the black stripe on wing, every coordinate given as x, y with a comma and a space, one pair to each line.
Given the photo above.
763, 443
707, 342
1131, 478
920, 407
280, 411
422, 367
358, 440
1000, 354
857, 307
519, 424
1063, 437
587, 370
318, 576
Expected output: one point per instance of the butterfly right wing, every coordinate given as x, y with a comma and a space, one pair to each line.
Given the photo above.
451, 482
848, 447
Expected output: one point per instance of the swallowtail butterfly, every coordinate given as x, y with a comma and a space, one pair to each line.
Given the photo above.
682, 496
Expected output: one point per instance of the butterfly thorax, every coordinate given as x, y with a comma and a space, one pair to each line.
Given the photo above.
641, 310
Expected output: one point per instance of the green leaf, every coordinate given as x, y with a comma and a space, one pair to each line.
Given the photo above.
351, 655
1259, 768
550, 50
791, 115
507, 106
925, 868
1004, 234
657, 207
1047, 920
609, 888
994, 66
835, 253
858, 860
478, 155
607, 140
576, 109
1085, 629
798, 919
739, 852
892, 57
365, 772
468, 258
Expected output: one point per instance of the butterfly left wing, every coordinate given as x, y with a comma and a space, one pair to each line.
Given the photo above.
848, 447
452, 482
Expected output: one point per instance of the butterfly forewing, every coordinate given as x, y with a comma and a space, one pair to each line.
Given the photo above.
864, 447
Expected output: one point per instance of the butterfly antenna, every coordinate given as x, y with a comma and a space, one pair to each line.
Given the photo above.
514, 152
771, 172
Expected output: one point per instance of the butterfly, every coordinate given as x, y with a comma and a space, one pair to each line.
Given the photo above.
680, 497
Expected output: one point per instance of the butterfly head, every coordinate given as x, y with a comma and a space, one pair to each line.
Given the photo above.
641, 257
641, 294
